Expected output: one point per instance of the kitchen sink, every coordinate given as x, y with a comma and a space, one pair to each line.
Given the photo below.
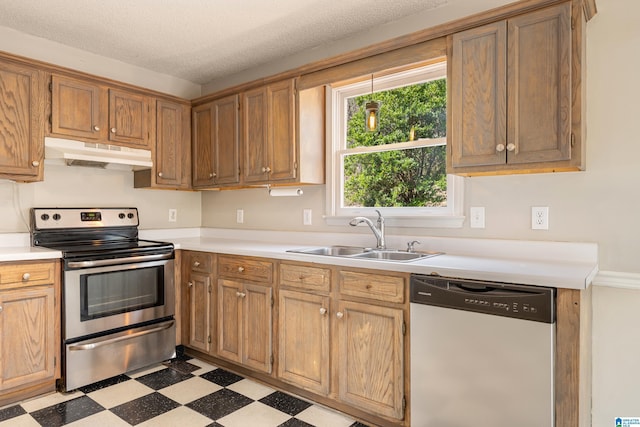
366, 253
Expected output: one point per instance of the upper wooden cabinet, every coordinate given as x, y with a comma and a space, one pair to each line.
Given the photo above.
93, 112
272, 134
216, 143
172, 154
21, 122
511, 86
269, 134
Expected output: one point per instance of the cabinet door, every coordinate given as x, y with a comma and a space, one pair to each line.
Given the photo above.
225, 141
303, 333
172, 144
129, 116
254, 135
230, 320
202, 146
199, 288
28, 340
282, 138
21, 124
539, 86
370, 362
478, 99
256, 330
75, 108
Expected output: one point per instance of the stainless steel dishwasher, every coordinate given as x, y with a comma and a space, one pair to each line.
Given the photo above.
482, 353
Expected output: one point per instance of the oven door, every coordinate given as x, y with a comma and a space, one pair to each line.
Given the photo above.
101, 299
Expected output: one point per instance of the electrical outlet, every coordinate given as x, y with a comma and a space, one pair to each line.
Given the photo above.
306, 216
173, 215
240, 216
477, 217
540, 218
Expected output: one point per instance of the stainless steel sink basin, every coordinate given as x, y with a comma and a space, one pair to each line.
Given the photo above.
366, 253
394, 255
333, 250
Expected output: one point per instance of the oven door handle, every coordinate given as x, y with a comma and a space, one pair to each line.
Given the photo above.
99, 343
118, 261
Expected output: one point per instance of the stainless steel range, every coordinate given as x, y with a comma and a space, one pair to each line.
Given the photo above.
118, 291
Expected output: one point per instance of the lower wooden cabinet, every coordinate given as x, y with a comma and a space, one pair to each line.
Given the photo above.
244, 323
29, 329
303, 337
198, 300
371, 358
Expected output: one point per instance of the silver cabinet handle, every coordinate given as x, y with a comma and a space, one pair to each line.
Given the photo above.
339, 315
96, 128
35, 163
113, 130
241, 294
26, 277
323, 311
500, 148
511, 146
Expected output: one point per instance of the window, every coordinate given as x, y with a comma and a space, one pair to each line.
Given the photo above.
400, 169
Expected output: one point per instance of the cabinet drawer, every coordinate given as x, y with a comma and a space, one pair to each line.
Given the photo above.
244, 268
26, 274
372, 286
299, 276
201, 262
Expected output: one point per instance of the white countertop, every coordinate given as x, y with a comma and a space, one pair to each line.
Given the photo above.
555, 264
569, 271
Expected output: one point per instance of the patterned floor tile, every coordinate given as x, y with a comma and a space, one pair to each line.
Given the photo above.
120, 393
219, 404
146, 371
25, 420
285, 403
251, 389
163, 378
222, 377
104, 384
322, 417
204, 366
255, 414
144, 408
181, 366
100, 419
67, 412
11, 412
181, 416
294, 422
190, 390
49, 400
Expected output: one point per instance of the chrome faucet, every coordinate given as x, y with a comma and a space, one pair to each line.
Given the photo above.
378, 229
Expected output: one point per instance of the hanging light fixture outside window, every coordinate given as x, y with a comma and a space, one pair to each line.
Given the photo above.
372, 113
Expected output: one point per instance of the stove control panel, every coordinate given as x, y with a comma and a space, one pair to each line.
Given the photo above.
52, 218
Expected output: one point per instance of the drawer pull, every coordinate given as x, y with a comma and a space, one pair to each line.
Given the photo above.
339, 315
96, 128
368, 286
196, 263
26, 277
301, 278
0, 309
323, 311
190, 284
35, 163
240, 269
113, 130
241, 294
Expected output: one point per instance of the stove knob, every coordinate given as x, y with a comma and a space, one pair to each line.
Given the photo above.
121, 215
130, 215
56, 217
44, 217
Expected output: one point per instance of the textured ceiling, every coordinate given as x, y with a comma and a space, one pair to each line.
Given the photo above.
201, 40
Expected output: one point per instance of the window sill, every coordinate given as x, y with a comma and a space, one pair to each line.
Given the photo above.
442, 221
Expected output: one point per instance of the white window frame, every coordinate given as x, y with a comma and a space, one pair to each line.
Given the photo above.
450, 216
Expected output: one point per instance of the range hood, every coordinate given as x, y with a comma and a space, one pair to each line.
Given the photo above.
78, 153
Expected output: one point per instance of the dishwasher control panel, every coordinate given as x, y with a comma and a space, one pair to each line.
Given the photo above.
536, 303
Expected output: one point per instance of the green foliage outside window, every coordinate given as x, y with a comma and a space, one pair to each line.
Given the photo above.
414, 177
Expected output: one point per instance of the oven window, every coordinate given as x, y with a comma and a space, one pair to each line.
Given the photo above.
116, 292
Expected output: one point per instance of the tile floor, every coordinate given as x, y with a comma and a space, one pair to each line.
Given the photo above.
183, 392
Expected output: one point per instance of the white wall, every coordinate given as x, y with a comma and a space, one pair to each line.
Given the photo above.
75, 186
